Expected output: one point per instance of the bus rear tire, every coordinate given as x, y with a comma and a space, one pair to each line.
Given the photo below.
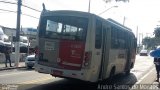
112, 73
127, 72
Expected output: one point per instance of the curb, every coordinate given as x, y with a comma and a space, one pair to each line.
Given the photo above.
144, 73
146, 80
9, 68
148, 74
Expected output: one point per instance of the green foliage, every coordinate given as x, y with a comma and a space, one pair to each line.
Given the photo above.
157, 32
154, 41
150, 42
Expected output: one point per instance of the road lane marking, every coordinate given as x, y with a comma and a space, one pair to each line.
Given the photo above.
37, 80
14, 73
142, 78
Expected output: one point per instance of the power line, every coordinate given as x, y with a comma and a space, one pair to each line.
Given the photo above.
22, 5
8, 2
8, 10
31, 8
30, 16
16, 12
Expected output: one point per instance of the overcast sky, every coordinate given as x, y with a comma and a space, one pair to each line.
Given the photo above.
142, 13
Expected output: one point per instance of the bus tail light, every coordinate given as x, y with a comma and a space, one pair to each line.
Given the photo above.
87, 58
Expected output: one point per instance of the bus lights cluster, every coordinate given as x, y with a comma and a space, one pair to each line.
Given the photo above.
87, 58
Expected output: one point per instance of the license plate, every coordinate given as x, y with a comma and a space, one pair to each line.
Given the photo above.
31, 63
56, 72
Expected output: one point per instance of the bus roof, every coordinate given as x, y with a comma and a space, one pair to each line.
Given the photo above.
83, 14
111, 21
71, 12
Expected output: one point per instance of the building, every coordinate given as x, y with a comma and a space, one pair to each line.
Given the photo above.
29, 33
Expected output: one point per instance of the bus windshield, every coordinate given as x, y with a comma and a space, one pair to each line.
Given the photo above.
64, 27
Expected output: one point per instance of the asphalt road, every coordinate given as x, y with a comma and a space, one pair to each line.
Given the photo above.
29, 79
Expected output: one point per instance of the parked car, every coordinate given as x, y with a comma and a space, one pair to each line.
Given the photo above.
143, 53
30, 61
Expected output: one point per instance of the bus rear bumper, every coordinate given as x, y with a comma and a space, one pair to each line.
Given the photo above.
62, 73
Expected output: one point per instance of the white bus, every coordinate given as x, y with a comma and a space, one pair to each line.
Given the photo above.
84, 46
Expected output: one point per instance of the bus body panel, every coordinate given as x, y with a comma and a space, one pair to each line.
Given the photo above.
104, 67
91, 58
118, 60
71, 54
96, 53
48, 52
64, 73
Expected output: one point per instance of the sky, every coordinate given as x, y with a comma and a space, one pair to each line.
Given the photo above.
143, 14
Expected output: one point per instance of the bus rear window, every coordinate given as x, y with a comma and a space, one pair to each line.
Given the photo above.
64, 27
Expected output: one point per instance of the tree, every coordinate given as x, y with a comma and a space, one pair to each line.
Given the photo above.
153, 42
149, 42
157, 32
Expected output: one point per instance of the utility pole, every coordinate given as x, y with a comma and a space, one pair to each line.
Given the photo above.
17, 48
89, 6
137, 33
124, 19
139, 39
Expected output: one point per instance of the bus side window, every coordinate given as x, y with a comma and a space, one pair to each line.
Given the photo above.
126, 40
114, 38
121, 39
98, 34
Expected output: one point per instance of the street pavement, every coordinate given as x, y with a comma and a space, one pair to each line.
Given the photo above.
143, 65
2, 66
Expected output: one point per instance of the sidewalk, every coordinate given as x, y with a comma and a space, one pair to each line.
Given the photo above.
144, 70
2, 66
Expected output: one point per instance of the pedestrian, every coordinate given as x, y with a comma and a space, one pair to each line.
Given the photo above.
36, 50
157, 66
7, 56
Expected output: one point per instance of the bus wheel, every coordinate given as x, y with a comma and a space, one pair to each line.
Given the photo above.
127, 72
112, 73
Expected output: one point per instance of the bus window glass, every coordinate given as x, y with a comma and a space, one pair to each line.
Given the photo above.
64, 27
114, 38
51, 26
98, 38
59, 27
70, 30
121, 39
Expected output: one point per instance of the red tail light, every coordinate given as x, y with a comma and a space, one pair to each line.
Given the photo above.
87, 58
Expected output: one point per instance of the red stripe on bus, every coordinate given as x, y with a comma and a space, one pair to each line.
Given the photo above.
71, 54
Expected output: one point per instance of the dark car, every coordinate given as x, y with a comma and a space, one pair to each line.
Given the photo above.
143, 53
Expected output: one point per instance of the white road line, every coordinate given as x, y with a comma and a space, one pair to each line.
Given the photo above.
14, 73
147, 74
36, 80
